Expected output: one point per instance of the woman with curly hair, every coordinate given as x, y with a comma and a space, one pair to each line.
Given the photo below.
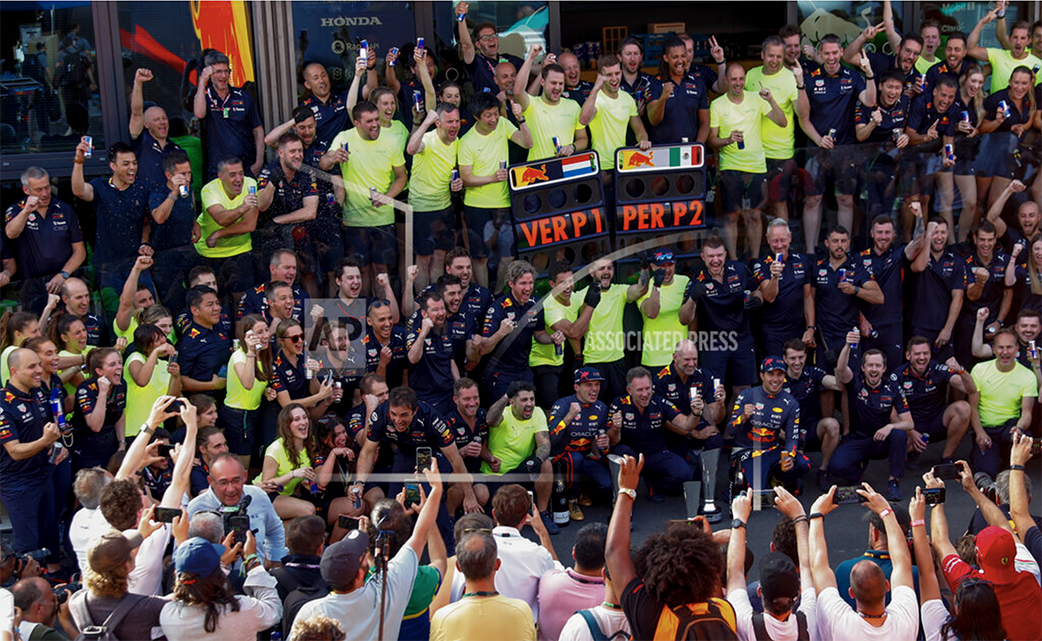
204, 606
287, 462
317, 628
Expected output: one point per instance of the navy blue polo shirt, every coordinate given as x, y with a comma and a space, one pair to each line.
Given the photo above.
331, 117
176, 232
327, 206
705, 73
785, 315
836, 312
883, 62
254, 301
774, 414
398, 345
96, 329
45, 244
832, 101
86, 440
579, 434
150, 158
943, 70
203, 352
723, 306
965, 147
806, 390
894, 117
677, 391
680, 118
22, 417
645, 432
290, 375
229, 126
462, 328
120, 216
461, 430
511, 354
933, 290
476, 300
1016, 116
924, 114
927, 396
483, 71
887, 269
643, 88
289, 193
579, 93
991, 296
184, 319
432, 376
428, 429
870, 407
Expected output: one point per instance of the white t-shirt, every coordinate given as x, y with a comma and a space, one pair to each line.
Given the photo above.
6, 610
259, 610
935, 615
839, 622
609, 620
787, 630
146, 578
86, 528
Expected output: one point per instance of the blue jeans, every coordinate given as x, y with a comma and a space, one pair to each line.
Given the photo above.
582, 471
852, 456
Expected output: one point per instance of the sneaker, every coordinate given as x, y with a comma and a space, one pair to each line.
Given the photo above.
585, 500
712, 513
893, 490
548, 523
574, 512
824, 482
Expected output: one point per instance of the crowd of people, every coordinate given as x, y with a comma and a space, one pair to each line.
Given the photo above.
236, 419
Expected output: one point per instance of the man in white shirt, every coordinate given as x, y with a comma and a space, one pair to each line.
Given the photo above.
872, 619
88, 523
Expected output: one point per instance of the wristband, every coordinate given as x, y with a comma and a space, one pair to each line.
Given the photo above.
147, 429
917, 522
78, 161
815, 515
801, 87
883, 514
64, 274
800, 519
252, 557
521, 121
1016, 467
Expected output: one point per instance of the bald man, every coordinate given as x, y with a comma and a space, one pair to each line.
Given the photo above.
330, 110
75, 297
575, 88
149, 129
40, 609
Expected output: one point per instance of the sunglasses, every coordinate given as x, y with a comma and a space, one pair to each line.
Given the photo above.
296, 338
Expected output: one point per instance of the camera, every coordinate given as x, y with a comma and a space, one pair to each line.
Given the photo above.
65, 590
236, 520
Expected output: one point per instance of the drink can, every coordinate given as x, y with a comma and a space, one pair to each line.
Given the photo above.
55, 451
1004, 106
896, 133
716, 383
314, 487
842, 274
455, 175
557, 143
365, 45
502, 164
417, 98
393, 52
1031, 348
59, 412
780, 258
1035, 69
90, 146
252, 190
694, 392
741, 145
965, 116
832, 134
460, 17
559, 349
949, 151
922, 80
363, 53
419, 43
330, 198
183, 191
477, 439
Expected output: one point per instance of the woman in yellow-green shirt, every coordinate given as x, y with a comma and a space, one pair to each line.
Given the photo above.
15, 329
287, 475
149, 374
249, 372
69, 334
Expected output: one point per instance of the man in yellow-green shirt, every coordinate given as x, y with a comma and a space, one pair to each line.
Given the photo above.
374, 174
551, 117
779, 143
1003, 61
228, 217
560, 313
605, 341
608, 112
483, 157
434, 178
739, 115
660, 308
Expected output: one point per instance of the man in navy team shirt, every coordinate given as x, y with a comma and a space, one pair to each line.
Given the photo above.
45, 234
904, 60
174, 228
788, 302
954, 64
806, 383
679, 105
882, 127
432, 369
287, 197
985, 288
204, 348
468, 423
481, 54
939, 284
233, 124
75, 297
282, 266
832, 92
149, 129
931, 126
328, 108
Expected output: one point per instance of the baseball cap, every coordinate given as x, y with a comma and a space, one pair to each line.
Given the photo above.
198, 556
340, 561
587, 374
778, 577
663, 256
112, 551
996, 553
772, 364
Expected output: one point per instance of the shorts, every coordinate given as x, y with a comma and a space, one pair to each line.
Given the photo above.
967, 152
995, 159
433, 230
932, 425
738, 186
780, 176
734, 366
371, 245
838, 165
475, 219
236, 272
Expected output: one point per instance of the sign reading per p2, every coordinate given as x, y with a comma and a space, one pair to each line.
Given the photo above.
645, 217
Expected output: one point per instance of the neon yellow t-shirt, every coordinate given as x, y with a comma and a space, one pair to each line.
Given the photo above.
371, 165
922, 65
70, 389
553, 311
1002, 65
129, 333
747, 117
483, 154
397, 132
604, 340
238, 397
662, 333
546, 121
213, 194
1001, 392
778, 142
429, 183
277, 451
140, 399
5, 367
513, 440
610, 124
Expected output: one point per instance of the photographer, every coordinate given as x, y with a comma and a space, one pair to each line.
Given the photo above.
40, 609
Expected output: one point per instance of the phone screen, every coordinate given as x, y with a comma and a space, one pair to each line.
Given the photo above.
165, 450
412, 494
239, 525
946, 471
934, 496
347, 522
166, 514
423, 459
848, 494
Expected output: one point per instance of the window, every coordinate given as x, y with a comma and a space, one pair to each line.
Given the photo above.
847, 20
963, 16
521, 24
49, 80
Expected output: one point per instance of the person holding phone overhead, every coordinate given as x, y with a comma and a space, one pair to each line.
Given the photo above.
150, 372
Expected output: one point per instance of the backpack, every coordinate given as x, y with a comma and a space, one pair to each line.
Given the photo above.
103, 632
74, 69
296, 600
760, 629
595, 629
713, 620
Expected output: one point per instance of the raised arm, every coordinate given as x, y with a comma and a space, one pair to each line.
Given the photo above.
428, 512
929, 589
80, 187
466, 43
1019, 510
741, 508
199, 104
137, 102
182, 475
523, 74
819, 553
617, 558
973, 49
895, 538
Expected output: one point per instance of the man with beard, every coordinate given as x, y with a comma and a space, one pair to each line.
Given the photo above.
230, 117
385, 344
609, 114
458, 263
783, 278
634, 81
431, 185
510, 326
662, 308
908, 50
806, 383
1007, 398
227, 222
1028, 328
985, 288
481, 54
924, 382
679, 108
432, 370
287, 197
555, 126
1003, 61
329, 109
560, 313
575, 88
468, 423
939, 281
174, 228
931, 126
149, 129
579, 441
954, 63
282, 267
879, 416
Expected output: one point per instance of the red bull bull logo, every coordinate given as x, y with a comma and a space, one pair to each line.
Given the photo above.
637, 159
524, 176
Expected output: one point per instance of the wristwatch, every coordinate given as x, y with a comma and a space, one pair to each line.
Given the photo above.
630, 493
64, 274
737, 523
